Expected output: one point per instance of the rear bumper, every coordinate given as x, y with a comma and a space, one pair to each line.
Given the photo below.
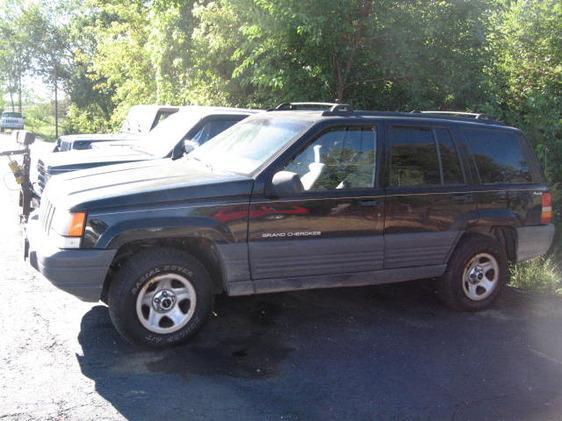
79, 272
14, 126
533, 241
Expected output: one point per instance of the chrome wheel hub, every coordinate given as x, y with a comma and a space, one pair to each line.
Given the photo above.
480, 277
166, 303
163, 301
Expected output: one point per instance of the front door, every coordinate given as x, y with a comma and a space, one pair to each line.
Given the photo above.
335, 226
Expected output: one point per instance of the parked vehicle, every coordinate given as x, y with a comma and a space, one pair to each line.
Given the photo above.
190, 127
140, 120
85, 141
11, 120
143, 118
289, 200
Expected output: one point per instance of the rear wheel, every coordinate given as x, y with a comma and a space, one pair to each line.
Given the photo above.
476, 273
160, 297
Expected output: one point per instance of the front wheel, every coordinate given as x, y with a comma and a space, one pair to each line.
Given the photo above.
476, 273
160, 297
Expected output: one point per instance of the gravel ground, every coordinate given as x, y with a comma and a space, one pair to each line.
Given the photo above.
389, 352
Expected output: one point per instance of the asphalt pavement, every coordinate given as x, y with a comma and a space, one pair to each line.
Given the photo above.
388, 352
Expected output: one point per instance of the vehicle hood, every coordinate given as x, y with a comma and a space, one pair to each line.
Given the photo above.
98, 136
148, 184
56, 163
113, 144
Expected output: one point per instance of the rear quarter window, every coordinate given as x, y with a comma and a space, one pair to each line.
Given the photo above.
500, 156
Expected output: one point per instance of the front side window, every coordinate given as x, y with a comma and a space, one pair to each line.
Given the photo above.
499, 156
342, 158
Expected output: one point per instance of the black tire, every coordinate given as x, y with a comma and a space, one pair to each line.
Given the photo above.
139, 270
450, 285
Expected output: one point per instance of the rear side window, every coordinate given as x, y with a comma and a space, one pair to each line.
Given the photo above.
452, 171
11, 114
414, 160
499, 156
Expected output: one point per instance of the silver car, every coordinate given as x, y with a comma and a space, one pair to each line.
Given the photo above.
11, 120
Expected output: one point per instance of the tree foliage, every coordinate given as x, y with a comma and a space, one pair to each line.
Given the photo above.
497, 56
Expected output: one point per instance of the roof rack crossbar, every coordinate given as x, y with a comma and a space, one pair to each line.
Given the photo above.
339, 108
476, 116
314, 106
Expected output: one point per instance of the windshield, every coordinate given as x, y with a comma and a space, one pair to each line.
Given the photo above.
247, 145
11, 114
161, 140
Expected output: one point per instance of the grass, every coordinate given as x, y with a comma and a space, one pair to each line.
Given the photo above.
540, 274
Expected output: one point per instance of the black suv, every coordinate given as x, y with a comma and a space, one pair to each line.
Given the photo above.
296, 199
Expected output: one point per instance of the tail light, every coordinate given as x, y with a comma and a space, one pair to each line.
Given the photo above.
546, 213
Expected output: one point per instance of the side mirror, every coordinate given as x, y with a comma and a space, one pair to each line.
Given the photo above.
189, 145
285, 183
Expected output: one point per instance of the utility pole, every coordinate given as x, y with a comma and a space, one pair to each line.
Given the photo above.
19, 88
56, 106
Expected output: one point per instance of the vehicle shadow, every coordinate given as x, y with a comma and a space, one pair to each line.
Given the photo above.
375, 352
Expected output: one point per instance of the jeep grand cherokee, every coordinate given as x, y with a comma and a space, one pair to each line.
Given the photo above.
297, 199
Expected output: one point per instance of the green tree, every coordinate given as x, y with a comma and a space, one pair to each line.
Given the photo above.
525, 79
378, 54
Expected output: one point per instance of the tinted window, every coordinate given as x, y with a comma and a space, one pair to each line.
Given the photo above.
342, 158
452, 172
499, 156
414, 160
161, 116
212, 128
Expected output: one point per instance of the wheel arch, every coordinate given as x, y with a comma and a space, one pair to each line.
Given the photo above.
201, 248
505, 235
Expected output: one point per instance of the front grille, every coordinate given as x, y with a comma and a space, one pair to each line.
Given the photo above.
42, 176
46, 214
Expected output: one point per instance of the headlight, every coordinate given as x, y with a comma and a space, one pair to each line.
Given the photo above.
70, 227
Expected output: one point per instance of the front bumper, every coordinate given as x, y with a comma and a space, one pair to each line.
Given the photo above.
533, 241
79, 272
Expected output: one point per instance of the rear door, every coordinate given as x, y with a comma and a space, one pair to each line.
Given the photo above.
335, 226
428, 202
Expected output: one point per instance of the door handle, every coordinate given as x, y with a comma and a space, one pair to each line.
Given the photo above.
369, 202
463, 198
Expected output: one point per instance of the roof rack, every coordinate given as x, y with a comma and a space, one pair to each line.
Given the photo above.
327, 107
476, 116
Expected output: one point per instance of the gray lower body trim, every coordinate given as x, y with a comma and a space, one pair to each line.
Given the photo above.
336, 281
273, 259
418, 248
533, 241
